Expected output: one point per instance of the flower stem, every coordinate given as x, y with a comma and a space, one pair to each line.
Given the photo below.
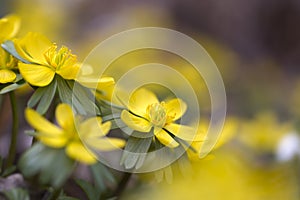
14, 130
55, 194
122, 185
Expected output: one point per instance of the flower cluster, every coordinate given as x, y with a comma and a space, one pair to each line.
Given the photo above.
85, 111
9, 27
145, 111
45, 61
73, 137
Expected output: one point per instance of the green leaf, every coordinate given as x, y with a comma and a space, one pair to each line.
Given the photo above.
117, 123
47, 98
89, 189
31, 132
51, 165
108, 104
67, 198
84, 97
36, 97
5, 88
65, 93
99, 181
164, 174
16, 194
43, 97
9, 46
78, 107
66, 96
101, 176
9, 171
111, 117
168, 174
80, 97
159, 175
135, 152
184, 165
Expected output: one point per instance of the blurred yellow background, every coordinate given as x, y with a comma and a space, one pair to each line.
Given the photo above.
255, 45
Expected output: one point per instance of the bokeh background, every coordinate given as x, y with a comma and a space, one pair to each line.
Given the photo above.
256, 46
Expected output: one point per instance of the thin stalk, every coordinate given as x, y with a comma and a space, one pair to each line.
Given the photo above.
122, 185
14, 130
55, 194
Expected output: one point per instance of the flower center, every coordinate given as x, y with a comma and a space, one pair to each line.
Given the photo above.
56, 59
7, 61
157, 114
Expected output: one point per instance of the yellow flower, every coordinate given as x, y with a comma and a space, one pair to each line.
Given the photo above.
45, 60
104, 85
9, 27
105, 88
229, 176
229, 131
7, 64
145, 112
91, 131
264, 132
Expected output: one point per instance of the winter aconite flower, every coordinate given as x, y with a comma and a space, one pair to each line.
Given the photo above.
228, 132
7, 66
9, 27
146, 112
91, 131
45, 59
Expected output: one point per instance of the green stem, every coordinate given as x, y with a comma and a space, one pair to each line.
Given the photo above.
55, 194
111, 117
107, 103
14, 130
122, 185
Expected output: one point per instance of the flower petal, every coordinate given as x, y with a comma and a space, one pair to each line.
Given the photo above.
106, 127
93, 128
37, 75
9, 27
54, 141
106, 81
41, 124
69, 70
32, 47
165, 138
119, 96
140, 100
194, 155
106, 92
135, 123
99, 83
7, 76
176, 108
184, 132
64, 117
78, 152
105, 144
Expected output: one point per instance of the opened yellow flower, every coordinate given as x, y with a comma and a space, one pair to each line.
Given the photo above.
105, 88
103, 85
7, 66
264, 132
70, 136
9, 27
145, 111
229, 131
45, 60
